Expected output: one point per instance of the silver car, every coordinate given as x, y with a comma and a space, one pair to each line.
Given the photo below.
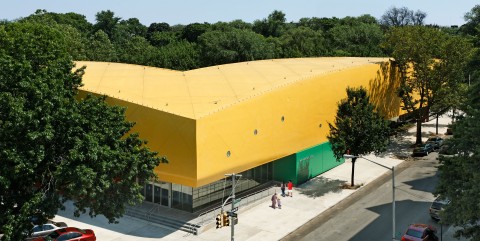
45, 229
437, 206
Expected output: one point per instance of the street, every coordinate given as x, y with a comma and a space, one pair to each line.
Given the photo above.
370, 216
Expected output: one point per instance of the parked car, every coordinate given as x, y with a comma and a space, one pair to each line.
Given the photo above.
45, 229
420, 232
423, 149
70, 233
437, 206
436, 141
447, 149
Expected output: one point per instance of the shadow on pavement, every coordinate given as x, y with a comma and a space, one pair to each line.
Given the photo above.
320, 186
422, 184
125, 225
405, 215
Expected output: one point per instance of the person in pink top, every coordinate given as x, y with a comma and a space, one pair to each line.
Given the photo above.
290, 188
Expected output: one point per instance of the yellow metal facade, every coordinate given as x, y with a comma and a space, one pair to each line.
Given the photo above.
234, 117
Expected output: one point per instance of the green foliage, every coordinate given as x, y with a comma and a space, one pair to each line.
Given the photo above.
192, 31
54, 148
415, 50
107, 22
459, 173
136, 50
360, 39
100, 48
449, 89
323, 24
429, 60
273, 26
302, 42
232, 46
357, 127
178, 55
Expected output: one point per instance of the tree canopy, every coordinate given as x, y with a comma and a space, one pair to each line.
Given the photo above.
54, 147
358, 129
459, 173
428, 60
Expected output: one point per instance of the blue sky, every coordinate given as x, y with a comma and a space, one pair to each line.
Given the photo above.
441, 12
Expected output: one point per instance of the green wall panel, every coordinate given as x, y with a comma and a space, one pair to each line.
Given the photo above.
306, 164
285, 169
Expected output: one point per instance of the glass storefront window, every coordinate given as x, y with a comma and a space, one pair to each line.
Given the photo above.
208, 196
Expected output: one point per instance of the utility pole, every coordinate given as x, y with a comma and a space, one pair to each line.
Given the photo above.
232, 223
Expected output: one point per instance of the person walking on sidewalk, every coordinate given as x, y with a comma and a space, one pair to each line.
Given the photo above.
290, 188
274, 201
282, 187
279, 203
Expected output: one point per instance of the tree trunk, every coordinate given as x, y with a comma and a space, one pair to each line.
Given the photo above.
453, 115
436, 126
419, 131
353, 169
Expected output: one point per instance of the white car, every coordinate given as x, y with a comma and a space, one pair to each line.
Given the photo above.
45, 229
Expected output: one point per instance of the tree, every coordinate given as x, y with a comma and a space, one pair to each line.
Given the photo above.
425, 67
396, 17
449, 91
56, 148
458, 180
135, 50
192, 31
178, 55
218, 47
107, 22
157, 28
472, 19
415, 50
273, 26
323, 24
100, 48
360, 39
302, 42
358, 129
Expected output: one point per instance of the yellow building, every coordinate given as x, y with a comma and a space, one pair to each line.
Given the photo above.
265, 119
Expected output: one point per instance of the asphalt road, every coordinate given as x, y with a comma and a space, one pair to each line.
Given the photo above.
368, 215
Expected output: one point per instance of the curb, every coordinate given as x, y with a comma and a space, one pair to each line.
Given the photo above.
333, 210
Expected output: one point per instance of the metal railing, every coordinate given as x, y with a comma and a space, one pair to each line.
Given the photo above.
210, 214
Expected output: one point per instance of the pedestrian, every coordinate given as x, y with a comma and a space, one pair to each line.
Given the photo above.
282, 187
274, 201
290, 188
279, 203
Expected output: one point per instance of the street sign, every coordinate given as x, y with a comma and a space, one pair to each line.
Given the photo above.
234, 209
232, 214
237, 200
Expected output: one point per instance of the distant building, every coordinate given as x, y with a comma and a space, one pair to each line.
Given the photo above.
267, 120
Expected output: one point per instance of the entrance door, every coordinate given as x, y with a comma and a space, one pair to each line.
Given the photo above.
149, 192
165, 193
158, 193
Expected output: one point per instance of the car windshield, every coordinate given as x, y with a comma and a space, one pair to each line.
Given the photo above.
52, 236
437, 205
414, 233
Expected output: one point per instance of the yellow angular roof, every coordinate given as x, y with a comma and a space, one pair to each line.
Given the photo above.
198, 93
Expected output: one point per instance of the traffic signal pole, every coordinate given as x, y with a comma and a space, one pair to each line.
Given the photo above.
232, 223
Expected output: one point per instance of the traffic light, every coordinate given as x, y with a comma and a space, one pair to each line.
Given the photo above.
226, 220
219, 221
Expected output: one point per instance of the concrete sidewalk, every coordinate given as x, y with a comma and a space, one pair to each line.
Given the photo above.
261, 222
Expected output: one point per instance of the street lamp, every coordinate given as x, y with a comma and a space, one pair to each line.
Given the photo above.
347, 156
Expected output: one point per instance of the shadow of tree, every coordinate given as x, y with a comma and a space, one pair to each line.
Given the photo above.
320, 186
384, 220
399, 146
383, 90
